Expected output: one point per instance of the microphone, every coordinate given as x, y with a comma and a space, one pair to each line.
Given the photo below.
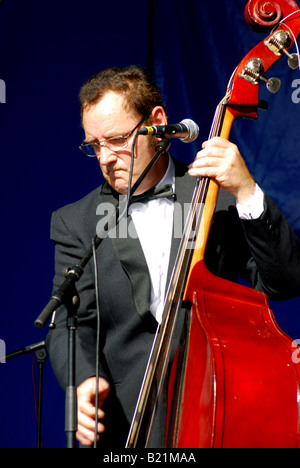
187, 131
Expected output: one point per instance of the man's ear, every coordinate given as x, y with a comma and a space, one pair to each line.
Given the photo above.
158, 116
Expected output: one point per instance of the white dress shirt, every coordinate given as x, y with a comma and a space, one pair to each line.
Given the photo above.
254, 207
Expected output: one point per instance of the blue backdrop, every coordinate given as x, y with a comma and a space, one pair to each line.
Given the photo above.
47, 50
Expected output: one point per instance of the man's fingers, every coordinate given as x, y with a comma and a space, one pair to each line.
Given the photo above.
217, 142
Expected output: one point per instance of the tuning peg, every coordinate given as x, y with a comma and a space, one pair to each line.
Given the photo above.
254, 73
273, 85
293, 61
279, 43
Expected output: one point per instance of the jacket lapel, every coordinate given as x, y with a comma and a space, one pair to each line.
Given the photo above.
125, 242
135, 267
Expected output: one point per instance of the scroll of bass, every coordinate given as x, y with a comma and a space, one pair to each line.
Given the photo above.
233, 381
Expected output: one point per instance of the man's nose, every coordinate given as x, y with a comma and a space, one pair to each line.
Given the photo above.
106, 156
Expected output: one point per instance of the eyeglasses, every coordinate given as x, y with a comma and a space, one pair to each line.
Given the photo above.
114, 144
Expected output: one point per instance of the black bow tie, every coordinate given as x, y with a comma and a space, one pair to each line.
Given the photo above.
161, 191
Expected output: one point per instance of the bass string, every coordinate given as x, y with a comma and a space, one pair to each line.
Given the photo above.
214, 131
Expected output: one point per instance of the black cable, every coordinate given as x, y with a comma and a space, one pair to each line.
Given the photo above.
129, 191
97, 342
97, 294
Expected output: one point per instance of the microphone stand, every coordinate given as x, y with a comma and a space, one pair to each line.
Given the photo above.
41, 355
67, 295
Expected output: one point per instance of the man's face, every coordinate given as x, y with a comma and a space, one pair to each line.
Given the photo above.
109, 118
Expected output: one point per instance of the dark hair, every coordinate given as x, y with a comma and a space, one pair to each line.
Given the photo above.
135, 84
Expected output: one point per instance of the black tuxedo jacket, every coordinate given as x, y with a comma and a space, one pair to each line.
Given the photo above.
265, 252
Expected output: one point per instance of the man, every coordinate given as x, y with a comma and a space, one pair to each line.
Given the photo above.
133, 270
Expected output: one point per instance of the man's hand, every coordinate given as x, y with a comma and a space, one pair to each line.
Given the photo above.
221, 160
86, 413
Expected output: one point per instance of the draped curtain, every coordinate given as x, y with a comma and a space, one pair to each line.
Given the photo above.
47, 50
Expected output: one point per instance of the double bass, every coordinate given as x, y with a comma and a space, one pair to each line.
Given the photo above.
234, 382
